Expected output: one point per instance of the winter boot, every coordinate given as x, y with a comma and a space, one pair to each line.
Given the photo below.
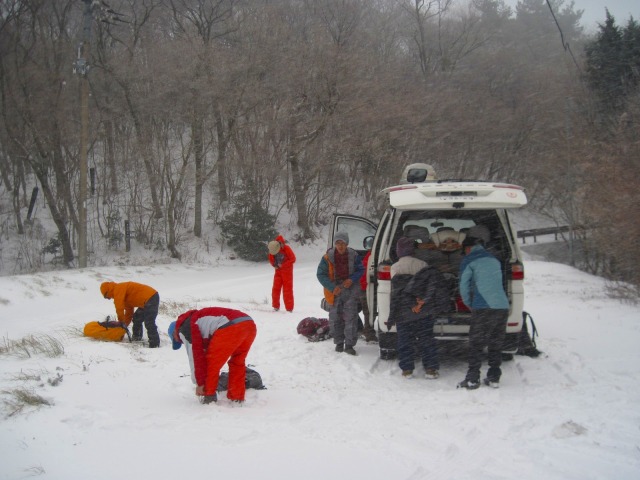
468, 384
431, 373
207, 399
491, 383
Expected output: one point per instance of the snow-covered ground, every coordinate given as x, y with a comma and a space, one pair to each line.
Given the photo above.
125, 411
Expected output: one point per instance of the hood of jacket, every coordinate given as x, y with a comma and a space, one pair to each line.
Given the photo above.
106, 288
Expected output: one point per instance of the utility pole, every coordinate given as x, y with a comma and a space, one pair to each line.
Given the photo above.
81, 68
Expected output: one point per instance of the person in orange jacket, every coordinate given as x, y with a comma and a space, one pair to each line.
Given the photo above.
281, 258
138, 303
217, 336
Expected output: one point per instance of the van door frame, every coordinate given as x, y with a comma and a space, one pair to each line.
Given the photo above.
354, 218
371, 275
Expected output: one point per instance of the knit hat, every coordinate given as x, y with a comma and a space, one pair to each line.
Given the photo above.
344, 236
274, 247
481, 232
405, 247
471, 241
172, 329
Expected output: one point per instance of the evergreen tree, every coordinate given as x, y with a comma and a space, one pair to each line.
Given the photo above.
249, 227
631, 55
613, 63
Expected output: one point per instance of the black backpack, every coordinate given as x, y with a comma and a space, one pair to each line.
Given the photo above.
252, 380
527, 343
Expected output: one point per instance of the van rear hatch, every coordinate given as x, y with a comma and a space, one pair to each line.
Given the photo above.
454, 195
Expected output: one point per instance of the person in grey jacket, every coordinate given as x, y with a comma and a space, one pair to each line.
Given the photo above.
418, 292
482, 290
339, 272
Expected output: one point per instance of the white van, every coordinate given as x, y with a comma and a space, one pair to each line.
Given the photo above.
438, 215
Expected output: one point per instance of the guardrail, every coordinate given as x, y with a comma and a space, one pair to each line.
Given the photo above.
538, 232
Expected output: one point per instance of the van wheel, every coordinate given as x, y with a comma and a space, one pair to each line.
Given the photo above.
388, 343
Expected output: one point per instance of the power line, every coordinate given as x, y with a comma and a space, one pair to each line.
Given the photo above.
565, 45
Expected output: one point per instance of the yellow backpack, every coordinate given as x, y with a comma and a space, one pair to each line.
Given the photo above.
108, 331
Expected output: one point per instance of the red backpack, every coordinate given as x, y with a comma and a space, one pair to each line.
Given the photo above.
315, 329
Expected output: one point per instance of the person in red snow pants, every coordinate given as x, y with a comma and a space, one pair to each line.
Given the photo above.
281, 258
218, 336
230, 345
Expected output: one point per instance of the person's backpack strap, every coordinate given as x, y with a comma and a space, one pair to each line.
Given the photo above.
534, 330
527, 342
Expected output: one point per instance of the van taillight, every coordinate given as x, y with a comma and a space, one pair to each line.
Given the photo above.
517, 271
384, 272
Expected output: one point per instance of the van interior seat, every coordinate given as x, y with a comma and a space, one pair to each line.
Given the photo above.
416, 232
448, 236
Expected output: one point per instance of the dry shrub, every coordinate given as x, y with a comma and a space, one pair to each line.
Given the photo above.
21, 398
32, 345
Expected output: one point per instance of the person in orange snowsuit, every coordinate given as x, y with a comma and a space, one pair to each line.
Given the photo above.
138, 303
281, 258
218, 335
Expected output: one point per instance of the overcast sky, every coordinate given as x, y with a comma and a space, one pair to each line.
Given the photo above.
594, 11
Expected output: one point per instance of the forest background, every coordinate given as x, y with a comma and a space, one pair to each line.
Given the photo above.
219, 122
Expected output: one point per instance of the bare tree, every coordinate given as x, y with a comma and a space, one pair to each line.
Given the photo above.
36, 49
205, 25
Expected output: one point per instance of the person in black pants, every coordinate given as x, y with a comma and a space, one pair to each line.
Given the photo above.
482, 290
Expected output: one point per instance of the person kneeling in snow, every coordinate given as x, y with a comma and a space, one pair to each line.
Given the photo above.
215, 336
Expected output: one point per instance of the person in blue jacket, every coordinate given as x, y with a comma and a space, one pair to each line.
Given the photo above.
339, 272
482, 290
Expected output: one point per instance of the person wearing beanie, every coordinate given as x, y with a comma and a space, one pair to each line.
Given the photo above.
339, 272
281, 258
214, 336
407, 264
137, 303
342, 237
418, 292
482, 290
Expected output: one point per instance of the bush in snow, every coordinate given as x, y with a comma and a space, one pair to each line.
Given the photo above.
249, 228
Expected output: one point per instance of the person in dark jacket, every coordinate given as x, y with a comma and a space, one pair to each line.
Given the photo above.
339, 272
482, 290
138, 303
416, 296
217, 336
